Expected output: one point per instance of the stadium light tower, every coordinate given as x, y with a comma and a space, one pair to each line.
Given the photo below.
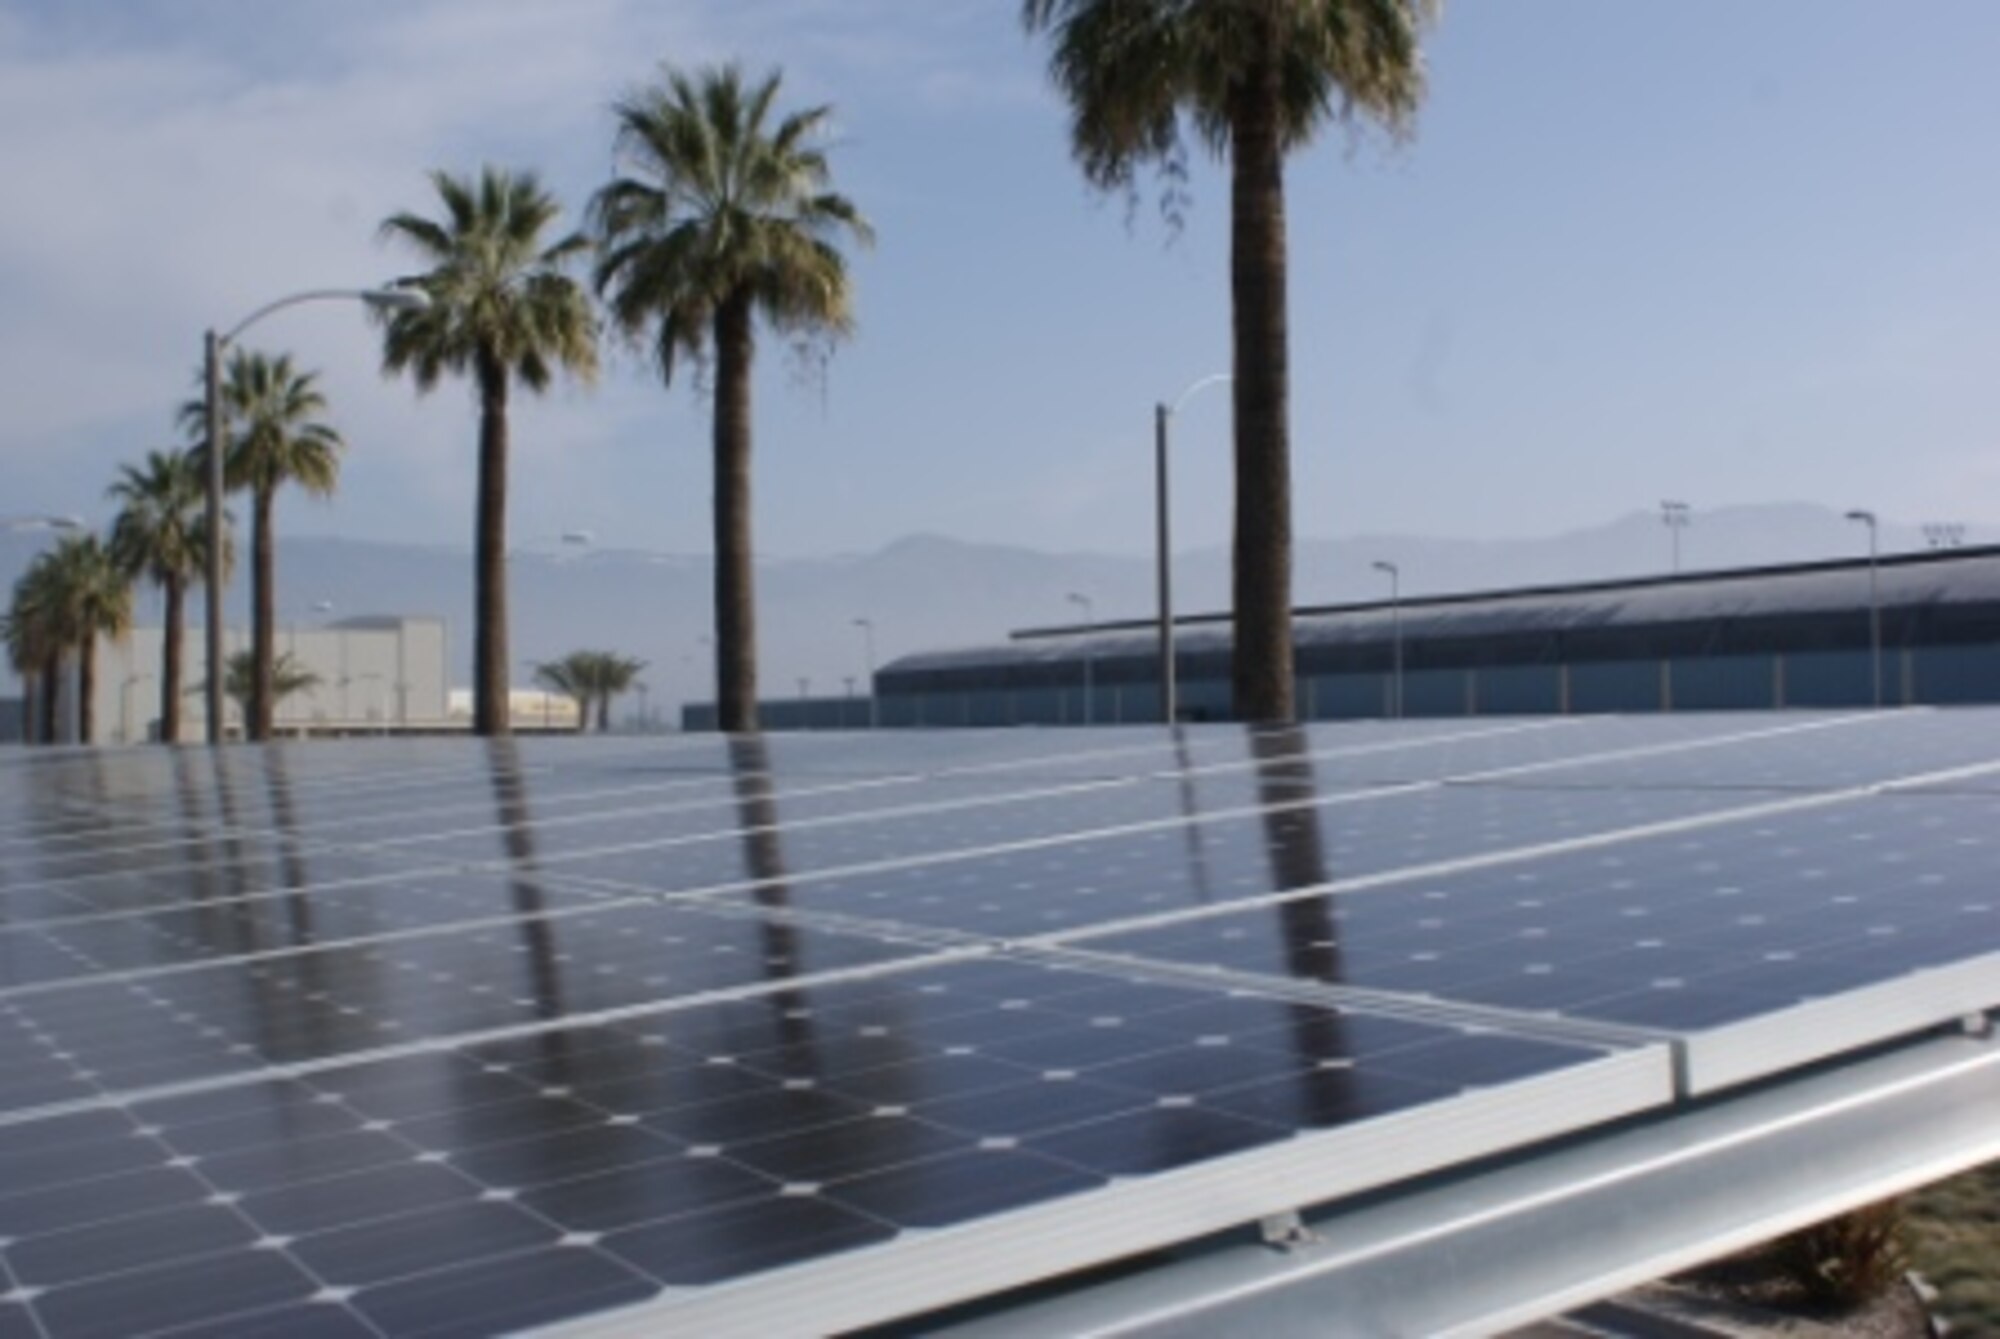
1163, 415
1089, 651
1395, 575
381, 299
1676, 516
1867, 518
867, 627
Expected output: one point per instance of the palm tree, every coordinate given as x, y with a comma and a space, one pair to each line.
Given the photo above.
161, 533
723, 218
75, 593
288, 676
26, 636
590, 677
502, 310
1254, 79
614, 675
276, 437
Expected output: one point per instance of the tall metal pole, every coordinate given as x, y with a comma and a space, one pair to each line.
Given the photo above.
212, 513
1867, 518
1162, 548
1676, 516
1089, 653
867, 627
1396, 636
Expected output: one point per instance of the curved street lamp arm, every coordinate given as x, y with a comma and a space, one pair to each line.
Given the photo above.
1213, 379
391, 298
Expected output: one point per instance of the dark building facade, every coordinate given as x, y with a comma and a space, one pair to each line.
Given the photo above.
1761, 638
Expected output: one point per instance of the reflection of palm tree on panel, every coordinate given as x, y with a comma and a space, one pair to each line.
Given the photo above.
510, 797
764, 854
1286, 789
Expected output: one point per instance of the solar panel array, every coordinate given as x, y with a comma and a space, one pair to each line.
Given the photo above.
442, 1037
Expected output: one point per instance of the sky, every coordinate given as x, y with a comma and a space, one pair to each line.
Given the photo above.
1700, 249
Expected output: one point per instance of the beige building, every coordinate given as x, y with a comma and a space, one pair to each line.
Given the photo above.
373, 674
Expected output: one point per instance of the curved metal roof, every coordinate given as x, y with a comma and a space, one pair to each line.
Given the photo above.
1955, 577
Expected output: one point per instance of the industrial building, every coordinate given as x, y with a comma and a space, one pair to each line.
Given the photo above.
371, 674
1801, 635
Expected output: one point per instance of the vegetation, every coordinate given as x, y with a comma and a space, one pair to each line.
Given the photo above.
1254, 80
724, 216
161, 534
501, 310
275, 436
590, 677
69, 597
239, 679
1845, 1261
1952, 1233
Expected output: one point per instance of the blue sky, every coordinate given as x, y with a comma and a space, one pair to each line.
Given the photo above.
1701, 249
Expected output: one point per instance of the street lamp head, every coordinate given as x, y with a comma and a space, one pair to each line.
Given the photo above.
1865, 517
397, 299
1388, 567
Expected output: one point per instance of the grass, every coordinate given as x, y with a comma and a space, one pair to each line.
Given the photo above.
1952, 1231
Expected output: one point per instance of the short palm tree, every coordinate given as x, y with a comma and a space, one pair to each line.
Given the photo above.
724, 216
1254, 79
27, 639
288, 676
501, 310
592, 678
276, 437
75, 594
161, 533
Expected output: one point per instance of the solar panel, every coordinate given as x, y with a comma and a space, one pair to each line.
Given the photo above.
400, 1037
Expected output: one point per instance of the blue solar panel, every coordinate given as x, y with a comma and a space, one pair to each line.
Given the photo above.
408, 1036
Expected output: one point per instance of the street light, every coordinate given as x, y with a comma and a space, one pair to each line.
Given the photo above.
381, 299
1162, 417
1396, 635
37, 522
867, 627
1867, 518
1089, 630
1676, 516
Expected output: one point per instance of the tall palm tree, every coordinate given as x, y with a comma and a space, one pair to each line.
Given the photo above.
1254, 79
501, 310
724, 216
569, 676
161, 533
276, 437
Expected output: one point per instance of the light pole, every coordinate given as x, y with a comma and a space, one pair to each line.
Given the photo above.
867, 627
1162, 549
1676, 516
125, 704
1089, 631
382, 299
1395, 636
1867, 518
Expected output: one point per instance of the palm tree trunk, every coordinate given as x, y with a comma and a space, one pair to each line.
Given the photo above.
170, 663
31, 691
86, 689
735, 598
51, 697
1262, 672
489, 594
263, 617
603, 713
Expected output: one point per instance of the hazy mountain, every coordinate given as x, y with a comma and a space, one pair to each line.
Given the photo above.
927, 592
